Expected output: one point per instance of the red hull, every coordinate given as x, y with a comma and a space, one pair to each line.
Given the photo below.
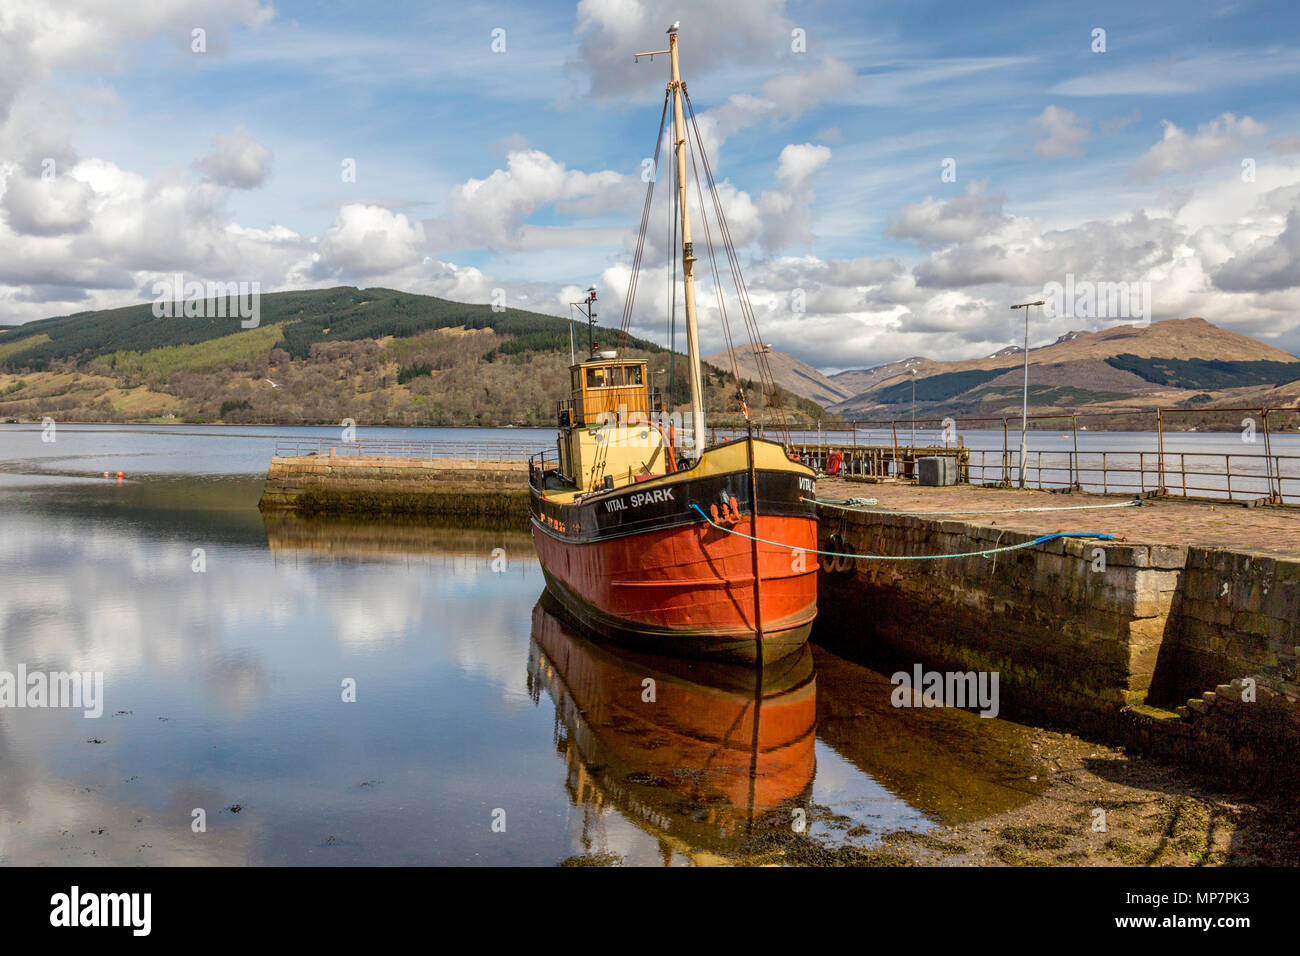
690, 589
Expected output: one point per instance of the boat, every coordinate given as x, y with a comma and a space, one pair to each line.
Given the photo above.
650, 535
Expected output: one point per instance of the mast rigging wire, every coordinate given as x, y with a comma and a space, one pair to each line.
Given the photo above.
693, 142
629, 300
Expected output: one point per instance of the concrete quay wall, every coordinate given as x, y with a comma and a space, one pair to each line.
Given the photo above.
1133, 642
329, 484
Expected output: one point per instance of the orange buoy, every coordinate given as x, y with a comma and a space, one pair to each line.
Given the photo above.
119, 476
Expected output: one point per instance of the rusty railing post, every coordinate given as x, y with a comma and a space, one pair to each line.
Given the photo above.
1006, 463
1268, 461
1160, 461
1074, 462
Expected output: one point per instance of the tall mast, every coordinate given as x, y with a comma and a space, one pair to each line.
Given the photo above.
688, 257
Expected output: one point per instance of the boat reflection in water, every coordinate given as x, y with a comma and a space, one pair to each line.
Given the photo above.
704, 756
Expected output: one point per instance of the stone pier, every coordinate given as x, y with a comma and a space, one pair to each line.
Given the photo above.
350, 484
1148, 639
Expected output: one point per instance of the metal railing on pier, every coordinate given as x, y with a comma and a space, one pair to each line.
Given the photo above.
888, 449
1227, 476
877, 461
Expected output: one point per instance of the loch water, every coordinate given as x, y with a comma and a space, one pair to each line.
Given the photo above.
394, 692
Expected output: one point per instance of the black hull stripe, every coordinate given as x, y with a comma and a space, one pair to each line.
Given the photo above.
635, 510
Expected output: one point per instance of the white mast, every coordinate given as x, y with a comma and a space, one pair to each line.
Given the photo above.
676, 87
688, 256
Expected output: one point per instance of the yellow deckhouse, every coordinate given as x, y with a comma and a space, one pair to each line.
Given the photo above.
606, 436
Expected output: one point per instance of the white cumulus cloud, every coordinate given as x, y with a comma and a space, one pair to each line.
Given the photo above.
1063, 133
365, 239
237, 160
1177, 151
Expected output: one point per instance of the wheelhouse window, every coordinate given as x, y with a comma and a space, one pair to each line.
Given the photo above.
614, 376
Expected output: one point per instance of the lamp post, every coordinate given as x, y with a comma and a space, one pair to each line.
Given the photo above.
913, 371
1024, 415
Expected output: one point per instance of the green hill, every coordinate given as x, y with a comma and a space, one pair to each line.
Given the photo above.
342, 314
373, 355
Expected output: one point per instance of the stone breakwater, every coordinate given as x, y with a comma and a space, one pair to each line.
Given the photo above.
343, 485
1183, 651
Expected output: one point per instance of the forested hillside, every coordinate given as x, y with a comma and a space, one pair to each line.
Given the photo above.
376, 356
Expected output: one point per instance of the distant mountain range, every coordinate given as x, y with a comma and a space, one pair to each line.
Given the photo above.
383, 356
376, 356
1175, 362
790, 373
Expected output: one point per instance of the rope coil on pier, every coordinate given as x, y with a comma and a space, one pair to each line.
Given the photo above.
912, 557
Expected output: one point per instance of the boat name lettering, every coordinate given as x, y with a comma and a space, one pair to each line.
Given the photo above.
639, 499
806, 484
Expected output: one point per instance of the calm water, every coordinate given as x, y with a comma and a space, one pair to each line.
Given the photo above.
223, 691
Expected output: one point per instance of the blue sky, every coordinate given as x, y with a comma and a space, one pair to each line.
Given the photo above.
520, 169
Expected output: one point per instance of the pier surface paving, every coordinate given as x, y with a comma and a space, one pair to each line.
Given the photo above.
1171, 521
